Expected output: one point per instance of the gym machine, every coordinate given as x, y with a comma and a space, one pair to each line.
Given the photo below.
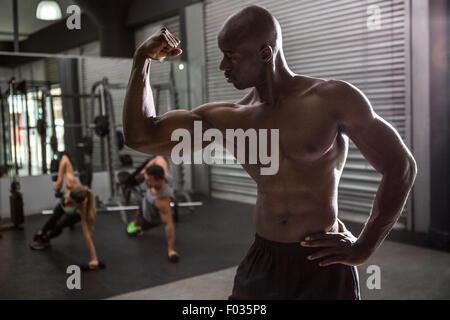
15, 197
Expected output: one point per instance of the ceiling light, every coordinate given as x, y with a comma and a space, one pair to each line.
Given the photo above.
48, 10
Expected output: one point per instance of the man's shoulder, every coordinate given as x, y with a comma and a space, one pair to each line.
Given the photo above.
339, 97
338, 94
218, 114
345, 99
209, 107
160, 159
305, 86
335, 89
239, 104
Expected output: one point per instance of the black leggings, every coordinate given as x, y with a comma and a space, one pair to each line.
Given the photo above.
58, 221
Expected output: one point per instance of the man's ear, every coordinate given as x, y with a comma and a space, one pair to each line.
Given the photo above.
266, 53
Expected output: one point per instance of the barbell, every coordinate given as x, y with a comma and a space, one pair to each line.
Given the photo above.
100, 126
133, 207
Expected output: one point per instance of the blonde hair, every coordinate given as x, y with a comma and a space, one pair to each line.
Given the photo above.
79, 194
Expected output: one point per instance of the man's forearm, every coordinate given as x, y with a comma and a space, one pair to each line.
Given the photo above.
387, 207
138, 104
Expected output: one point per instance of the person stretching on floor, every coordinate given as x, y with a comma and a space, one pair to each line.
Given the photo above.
156, 204
76, 204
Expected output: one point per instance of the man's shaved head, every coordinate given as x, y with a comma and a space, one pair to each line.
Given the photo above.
251, 43
253, 24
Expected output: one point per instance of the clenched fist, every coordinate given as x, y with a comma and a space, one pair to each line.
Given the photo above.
160, 45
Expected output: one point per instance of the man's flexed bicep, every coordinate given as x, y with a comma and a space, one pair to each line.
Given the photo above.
138, 118
156, 138
143, 129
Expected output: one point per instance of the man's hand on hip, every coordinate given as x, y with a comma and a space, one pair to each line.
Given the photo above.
339, 247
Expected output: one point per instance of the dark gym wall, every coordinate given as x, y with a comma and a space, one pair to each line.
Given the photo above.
116, 39
143, 11
68, 75
111, 21
57, 38
43, 41
439, 232
117, 20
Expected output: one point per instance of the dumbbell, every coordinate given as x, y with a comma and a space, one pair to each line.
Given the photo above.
101, 266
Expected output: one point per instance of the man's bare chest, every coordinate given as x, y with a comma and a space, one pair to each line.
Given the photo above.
306, 130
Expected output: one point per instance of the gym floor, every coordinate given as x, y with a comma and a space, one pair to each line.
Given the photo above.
211, 242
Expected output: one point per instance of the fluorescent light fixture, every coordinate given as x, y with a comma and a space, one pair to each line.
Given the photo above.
48, 10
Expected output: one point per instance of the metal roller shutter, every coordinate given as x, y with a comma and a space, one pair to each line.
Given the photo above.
326, 39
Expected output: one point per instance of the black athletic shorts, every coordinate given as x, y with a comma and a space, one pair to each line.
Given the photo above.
275, 270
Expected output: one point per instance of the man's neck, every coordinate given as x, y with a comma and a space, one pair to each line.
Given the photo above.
277, 78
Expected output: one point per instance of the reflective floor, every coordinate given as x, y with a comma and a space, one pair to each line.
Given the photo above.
211, 242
